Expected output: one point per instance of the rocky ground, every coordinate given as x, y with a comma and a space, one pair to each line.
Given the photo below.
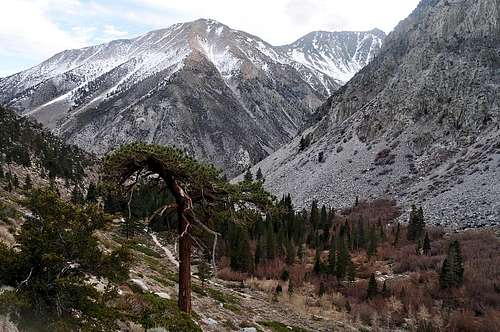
223, 306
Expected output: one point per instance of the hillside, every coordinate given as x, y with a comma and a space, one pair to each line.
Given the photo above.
223, 95
420, 123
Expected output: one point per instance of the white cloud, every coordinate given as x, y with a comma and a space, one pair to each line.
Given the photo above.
25, 29
112, 31
283, 21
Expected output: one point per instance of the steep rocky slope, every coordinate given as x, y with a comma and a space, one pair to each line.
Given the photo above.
223, 95
419, 123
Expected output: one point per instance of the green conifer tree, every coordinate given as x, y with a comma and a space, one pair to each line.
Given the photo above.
259, 176
285, 275
343, 259
76, 195
260, 251
427, 245
372, 287
372, 244
15, 181
351, 270
248, 176
290, 252
361, 237
385, 291
397, 235
27, 183
241, 256
452, 270
91, 193
317, 263
322, 289
204, 272
332, 260
315, 218
290, 288
302, 252
412, 232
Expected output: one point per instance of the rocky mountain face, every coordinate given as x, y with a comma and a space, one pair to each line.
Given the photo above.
420, 123
223, 95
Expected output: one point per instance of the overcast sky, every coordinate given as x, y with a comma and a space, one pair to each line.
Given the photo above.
33, 30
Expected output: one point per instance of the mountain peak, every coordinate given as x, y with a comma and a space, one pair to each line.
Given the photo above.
198, 77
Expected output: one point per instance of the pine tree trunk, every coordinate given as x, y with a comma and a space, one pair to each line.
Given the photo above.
184, 264
183, 205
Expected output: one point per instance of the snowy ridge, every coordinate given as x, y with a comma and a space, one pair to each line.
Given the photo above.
200, 85
320, 57
338, 55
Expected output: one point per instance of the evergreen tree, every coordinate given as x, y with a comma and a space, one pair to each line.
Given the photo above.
91, 193
322, 289
321, 157
331, 260
315, 218
279, 289
317, 262
421, 222
204, 272
2, 174
343, 260
347, 306
351, 270
49, 286
9, 186
76, 195
381, 230
372, 245
259, 176
416, 224
385, 292
427, 245
248, 176
260, 251
452, 270
361, 237
290, 288
458, 266
15, 181
285, 275
241, 257
271, 244
372, 287
446, 275
418, 248
27, 183
412, 232
290, 252
302, 252
397, 235
131, 226
303, 144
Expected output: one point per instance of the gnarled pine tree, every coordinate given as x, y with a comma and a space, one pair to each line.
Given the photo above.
196, 188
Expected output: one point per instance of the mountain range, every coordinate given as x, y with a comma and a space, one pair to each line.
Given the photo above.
222, 95
420, 123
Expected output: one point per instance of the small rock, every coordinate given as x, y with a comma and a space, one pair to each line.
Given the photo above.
209, 321
248, 329
163, 295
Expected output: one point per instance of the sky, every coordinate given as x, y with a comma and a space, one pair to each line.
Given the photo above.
33, 30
